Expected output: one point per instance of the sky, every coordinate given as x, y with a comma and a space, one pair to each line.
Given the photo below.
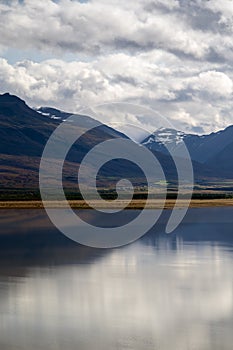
174, 56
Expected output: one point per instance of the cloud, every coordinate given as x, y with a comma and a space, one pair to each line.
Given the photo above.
214, 83
172, 55
96, 27
190, 97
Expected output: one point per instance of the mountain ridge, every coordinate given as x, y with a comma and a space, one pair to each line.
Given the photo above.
202, 148
24, 132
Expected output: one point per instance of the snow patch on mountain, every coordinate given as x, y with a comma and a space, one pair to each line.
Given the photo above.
42, 113
165, 136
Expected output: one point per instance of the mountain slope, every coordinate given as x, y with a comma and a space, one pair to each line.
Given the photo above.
223, 160
22, 130
202, 149
24, 133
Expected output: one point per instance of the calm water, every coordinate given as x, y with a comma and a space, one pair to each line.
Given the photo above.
161, 292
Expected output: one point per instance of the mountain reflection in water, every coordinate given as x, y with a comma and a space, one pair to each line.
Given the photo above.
161, 292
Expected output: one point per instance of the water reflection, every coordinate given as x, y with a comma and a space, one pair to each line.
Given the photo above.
162, 292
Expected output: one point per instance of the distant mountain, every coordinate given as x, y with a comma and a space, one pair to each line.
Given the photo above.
164, 137
215, 150
223, 160
24, 132
116, 168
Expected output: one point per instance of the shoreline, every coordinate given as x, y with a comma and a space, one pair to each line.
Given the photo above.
134, 204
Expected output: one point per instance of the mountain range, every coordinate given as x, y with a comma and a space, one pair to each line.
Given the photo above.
24, 132
214, 151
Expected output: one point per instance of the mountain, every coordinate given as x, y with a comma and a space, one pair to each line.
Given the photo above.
199, 147
24, 133
223, 160
214, 151
83, 121
22, 130
164, 137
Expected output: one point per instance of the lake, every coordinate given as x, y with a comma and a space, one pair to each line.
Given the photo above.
162, 292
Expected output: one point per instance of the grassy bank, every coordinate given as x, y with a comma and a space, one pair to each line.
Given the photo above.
135, 204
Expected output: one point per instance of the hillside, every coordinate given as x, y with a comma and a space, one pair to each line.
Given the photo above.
24, 132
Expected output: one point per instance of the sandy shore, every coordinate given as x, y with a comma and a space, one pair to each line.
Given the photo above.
135, 204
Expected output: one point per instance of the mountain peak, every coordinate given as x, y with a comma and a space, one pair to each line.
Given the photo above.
14, 108
164, 136
8, 98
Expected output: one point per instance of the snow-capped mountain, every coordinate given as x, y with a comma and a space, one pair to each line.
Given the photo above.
213, 150
163, 139
166, 140
25, 131
167, 136
202, 148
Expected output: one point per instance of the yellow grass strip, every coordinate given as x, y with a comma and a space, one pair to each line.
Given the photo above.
135, 204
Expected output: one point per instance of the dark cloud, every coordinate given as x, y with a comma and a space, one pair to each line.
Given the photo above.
124, 79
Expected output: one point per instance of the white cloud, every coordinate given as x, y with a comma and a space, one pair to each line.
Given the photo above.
174, 56
100, 26
214, 83
189, 97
